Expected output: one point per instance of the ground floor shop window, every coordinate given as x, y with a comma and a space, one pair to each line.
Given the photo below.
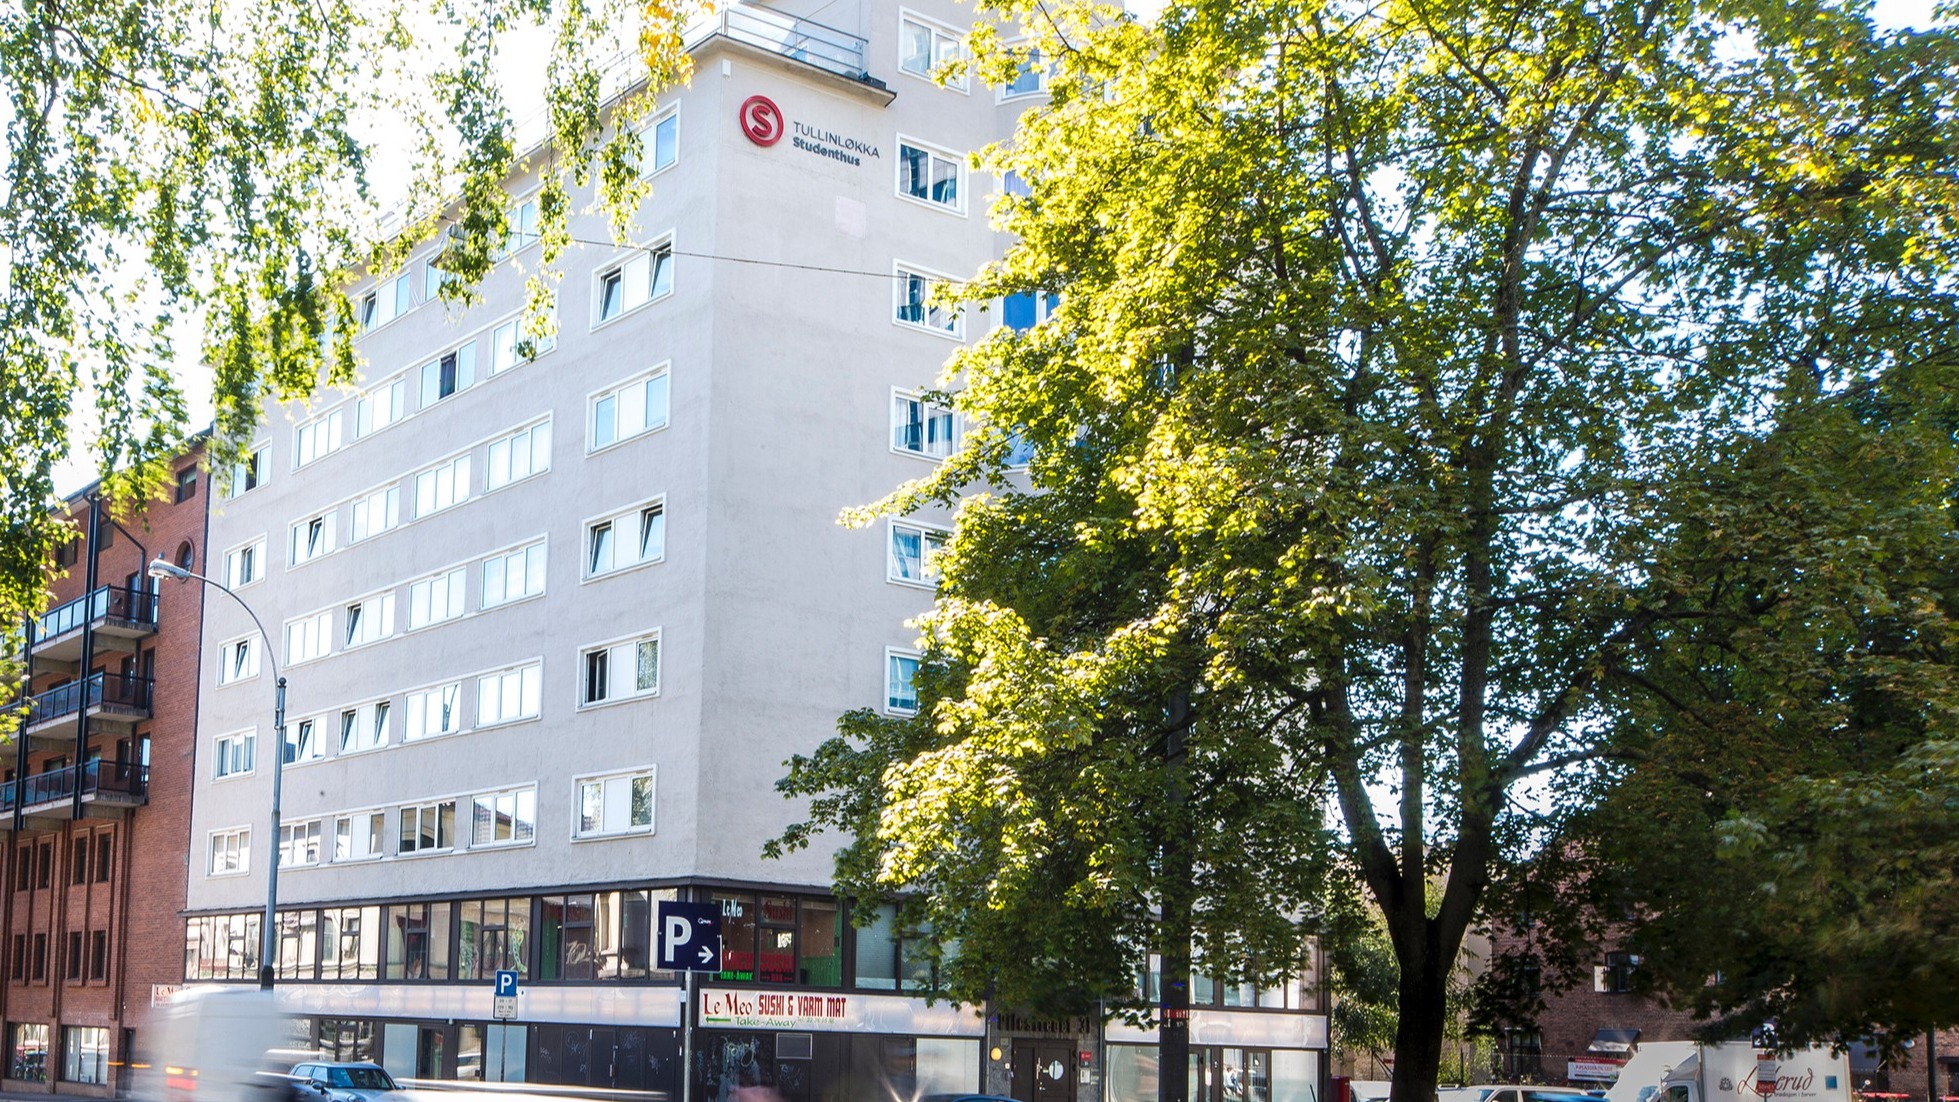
820, 1067
346, 1039
632, 1058
84, 1054
1218, 1074
27, 1052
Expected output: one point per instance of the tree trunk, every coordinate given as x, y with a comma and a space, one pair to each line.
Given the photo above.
1423, 1020
1173, 1010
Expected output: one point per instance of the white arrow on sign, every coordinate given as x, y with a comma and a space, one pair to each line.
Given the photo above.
707, 954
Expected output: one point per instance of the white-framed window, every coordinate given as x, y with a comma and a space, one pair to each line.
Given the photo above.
930, 175
1023, 311
370, 620
911, 308
924, 45
618, 804
303, 741
231, 851
430, 712
504, 353
238, 660
522, 232
513, 575
434, 279
635, 281
919, 427
313, 537
659, 142
624, 411
427, 827
1031, 79
360, 836
380, 407
433, 600
365, 727
1020, 451
235, 754
509, 695
317, 438
448, 373
900, 675
309, 637
441, 486
913, 547
245, 564
620, 671
518, 456
503, 818
390, 299
245, 475
374, 514
636, 536
299, 843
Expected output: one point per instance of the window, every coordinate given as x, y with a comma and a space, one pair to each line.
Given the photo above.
84, 1054
98, 955
621, 671
636, 406
418, 941
370, 620
186, 484
1615, 976
503, 818
912, 549
299, 843
520, 455
900, 691
234, 753
914, 288
69, 553
387, 301
645, 276
891, 958
105, 852
73, 957
231, 851
360, 836
1023, 311
79, 851
40, 957
436, 711
381, 407
426, 827
312, 538
659, 143
245, 565
921, 427
1031, 79
509, 695
448, 374
513, 576
247, 472
374, 514
433, 600
309, 637
364, 728
635, 537
238, 660
930, 176
508, 347
316, 438
442, 486
434, 279
522, 232
303, 742
621, 804
924, 46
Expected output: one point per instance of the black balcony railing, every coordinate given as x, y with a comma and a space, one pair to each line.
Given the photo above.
124, 782
118, 690
111, 602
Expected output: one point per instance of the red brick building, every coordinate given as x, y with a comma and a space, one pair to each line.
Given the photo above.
96, 796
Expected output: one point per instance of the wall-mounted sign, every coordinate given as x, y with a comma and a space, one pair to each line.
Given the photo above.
764, 124
761, 120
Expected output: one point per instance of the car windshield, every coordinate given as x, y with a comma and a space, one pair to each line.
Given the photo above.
360, 1079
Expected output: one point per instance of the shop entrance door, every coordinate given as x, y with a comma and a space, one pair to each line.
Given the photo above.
1044, 1071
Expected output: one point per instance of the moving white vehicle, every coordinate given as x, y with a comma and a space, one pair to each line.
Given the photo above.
1739, 1072
219, 1044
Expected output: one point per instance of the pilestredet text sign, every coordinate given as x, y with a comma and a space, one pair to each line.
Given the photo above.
763, 123
773, 1010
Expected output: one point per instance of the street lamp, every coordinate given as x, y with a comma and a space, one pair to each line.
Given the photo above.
164, 568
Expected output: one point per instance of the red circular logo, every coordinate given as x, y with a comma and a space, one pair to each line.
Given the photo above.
761, 120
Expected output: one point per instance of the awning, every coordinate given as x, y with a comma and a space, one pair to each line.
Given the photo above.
1613, 1042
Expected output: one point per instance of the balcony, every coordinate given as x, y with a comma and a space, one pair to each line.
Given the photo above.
120, 615
826, 48
110, 698
109, 789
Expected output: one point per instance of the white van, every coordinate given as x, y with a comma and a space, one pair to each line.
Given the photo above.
218, 1044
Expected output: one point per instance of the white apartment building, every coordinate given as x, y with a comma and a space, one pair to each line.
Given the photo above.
553, 627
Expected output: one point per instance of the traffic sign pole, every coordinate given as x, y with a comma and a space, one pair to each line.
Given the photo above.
687, 1036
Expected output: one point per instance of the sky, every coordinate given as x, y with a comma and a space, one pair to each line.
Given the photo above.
525, 91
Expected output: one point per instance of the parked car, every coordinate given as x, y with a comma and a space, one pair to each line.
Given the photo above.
347, 1081
1515, 1092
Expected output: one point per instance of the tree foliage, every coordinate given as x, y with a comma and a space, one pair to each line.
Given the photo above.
194, 180
1418, 389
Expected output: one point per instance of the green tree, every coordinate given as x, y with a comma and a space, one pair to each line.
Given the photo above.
1395, 345
181, 172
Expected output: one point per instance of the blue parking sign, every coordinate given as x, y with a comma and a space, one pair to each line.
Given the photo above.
506, 985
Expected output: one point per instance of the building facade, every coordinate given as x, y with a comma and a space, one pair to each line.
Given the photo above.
553, 624
96, 795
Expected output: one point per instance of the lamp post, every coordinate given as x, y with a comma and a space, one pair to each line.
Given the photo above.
163, 568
